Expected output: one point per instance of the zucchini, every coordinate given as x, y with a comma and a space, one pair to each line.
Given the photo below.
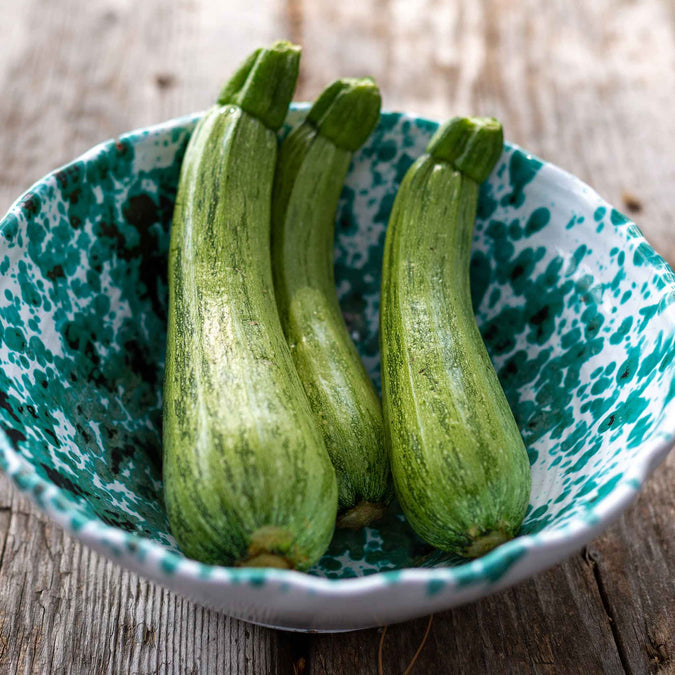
460, 467
247, 479
313, 163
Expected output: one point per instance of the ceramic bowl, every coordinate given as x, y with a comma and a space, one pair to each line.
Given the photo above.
575, 307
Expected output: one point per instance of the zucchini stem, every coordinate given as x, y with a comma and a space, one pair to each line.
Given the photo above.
362, 515
471, 145
266, 560
264, 84
486, 543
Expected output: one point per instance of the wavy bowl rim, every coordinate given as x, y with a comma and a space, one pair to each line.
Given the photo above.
57, 504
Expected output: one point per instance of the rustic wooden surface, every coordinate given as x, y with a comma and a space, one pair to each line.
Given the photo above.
590, 86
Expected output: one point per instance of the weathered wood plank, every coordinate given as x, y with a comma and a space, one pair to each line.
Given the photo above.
587, 85
67, 610
634, 564
553, 623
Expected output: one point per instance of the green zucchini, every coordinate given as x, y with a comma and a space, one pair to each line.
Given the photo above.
247, 479
460, 467
313, 163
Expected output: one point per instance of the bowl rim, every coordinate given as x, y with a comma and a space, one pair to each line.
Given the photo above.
570, 536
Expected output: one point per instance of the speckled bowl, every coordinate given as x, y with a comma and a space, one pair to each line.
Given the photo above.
575, 307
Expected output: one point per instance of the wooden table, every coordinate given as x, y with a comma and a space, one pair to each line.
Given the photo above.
589, 85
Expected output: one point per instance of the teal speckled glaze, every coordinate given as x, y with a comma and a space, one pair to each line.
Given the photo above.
576, 310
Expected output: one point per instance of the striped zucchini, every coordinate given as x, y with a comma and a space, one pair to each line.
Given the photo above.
312, 166
460, 467
247, 479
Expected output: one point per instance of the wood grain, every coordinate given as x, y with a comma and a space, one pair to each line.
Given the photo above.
590, 86
65, 609
499, 634
634, 564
